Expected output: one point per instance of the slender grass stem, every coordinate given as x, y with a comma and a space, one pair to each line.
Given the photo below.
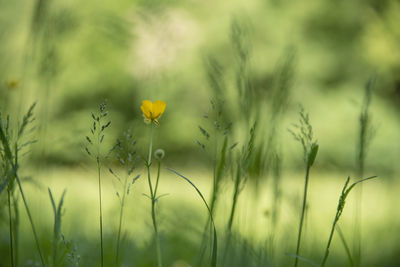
365, 135
330, 239
11, 229
30, 218
120, 222
302, 214
101, 213
234, 199
15, 229
153, 199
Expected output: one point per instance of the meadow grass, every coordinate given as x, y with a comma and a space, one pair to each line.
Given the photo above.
226, 160
252, 202
231, 165
98, 132
310, 150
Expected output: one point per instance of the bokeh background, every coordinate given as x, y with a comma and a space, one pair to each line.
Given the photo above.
70, 56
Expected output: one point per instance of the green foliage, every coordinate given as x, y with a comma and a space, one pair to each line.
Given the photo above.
57, 233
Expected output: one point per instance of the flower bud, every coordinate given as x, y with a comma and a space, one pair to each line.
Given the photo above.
159, 154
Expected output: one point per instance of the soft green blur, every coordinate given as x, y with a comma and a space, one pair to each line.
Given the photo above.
70, 56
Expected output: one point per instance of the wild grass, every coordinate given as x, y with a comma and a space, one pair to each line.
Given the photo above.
241, 140
10, 156
98, 132
126, 158
365, 135
310, 150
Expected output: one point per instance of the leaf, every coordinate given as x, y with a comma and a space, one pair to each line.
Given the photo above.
215, 247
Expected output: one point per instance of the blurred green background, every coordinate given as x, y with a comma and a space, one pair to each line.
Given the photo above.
70, 56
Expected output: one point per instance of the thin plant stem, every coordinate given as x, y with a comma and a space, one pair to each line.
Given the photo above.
363, 142
101, 213
30, 218
232, 214
100, 199
120, 221
330, 238
15, 228
158, 177
11, 229
302, 215
153, 200
153, 216
234, 199
150, 145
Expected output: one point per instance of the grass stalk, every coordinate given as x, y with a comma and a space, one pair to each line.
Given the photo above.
15, 229
346, 190
234, 198
10, 229
303, 209
97, 131
13, 161
30, 219
310, 151
101, 213
121, 213
365, 135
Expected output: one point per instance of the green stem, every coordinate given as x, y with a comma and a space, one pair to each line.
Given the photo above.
330, 239
232, 214
234, 199
11, 229
357, 225
150, 145
120, 222
15, 223
153, 216
101, 213
153, 199
302, 215
30, 218
158, 177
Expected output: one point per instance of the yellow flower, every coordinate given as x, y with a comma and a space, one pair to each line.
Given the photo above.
152, 111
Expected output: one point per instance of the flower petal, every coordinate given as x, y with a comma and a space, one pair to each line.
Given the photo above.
158, 108
147, 108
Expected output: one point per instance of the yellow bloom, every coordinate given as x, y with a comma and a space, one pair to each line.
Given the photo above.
152, 111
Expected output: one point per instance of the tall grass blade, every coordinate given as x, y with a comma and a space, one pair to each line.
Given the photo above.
215, 245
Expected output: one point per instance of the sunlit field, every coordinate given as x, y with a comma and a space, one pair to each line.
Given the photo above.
224, 133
